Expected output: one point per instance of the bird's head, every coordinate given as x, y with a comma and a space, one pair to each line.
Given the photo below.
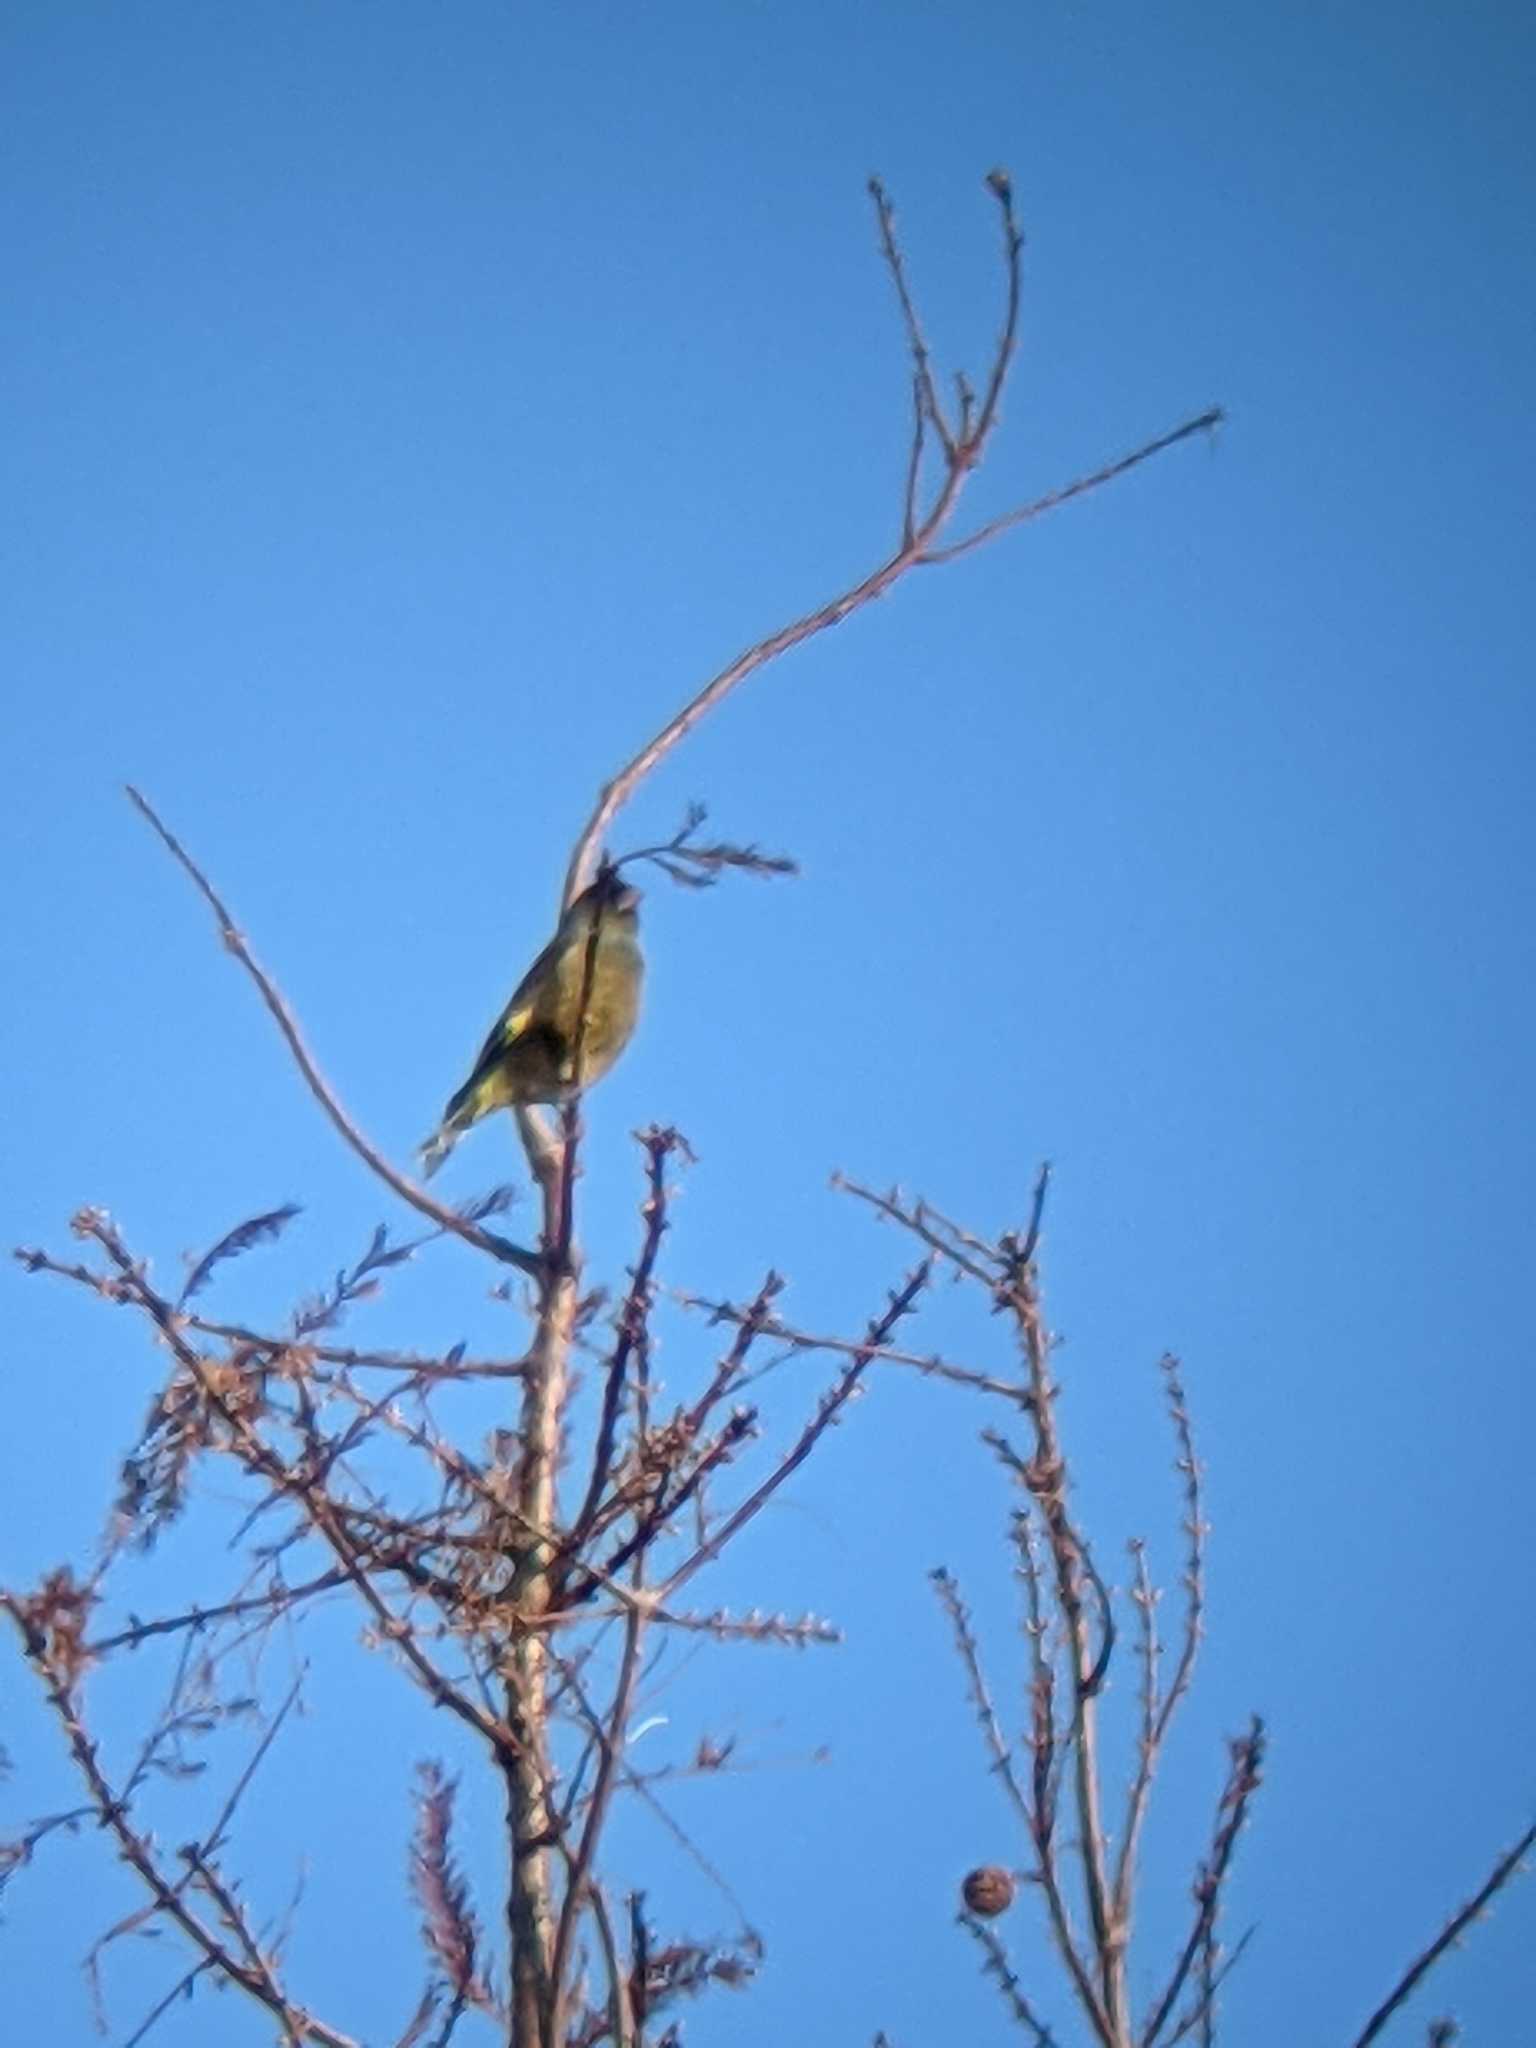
611, 895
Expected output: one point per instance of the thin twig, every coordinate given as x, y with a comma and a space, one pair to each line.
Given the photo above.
828, 1410
1194, 1528
890, 249
892, 1207
621, 2017
632, 1327
1000, 185
1144, 1597
1157, 1718
610, 1746
165, 1896
292, 1480
1201, 2013
1243, 1780
914, 463
182, 1989
981, 1697
1508, 1866
214, 1838
483, 1240
1203, 423
931, 1366
198, 1618
729, 1371
997, 1966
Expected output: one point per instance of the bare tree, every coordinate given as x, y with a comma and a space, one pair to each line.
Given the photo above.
521, 1586
1086, 1873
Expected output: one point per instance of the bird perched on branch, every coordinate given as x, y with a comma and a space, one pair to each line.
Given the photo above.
570, 1016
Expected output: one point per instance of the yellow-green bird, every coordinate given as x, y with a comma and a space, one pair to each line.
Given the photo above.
570, 1016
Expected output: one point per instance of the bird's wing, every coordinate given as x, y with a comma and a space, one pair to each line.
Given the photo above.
532, 994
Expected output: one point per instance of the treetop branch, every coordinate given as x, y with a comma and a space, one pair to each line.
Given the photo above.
961, 446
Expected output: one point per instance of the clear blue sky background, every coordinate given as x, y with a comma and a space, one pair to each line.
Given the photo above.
404, 406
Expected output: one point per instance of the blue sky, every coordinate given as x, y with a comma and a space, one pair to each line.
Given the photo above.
405, 407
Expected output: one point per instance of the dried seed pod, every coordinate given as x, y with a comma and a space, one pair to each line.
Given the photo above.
988, 1891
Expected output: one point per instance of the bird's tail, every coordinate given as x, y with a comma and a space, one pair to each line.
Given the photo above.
436, 1149
463, 1108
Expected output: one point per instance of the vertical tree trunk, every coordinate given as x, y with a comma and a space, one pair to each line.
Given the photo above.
530, 1904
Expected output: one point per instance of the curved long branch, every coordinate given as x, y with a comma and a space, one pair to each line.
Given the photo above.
961, 450
447, 1219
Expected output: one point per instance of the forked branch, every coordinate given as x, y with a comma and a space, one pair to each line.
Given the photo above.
962, 445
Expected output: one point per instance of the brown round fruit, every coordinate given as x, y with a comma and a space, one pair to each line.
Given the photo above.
988, 1891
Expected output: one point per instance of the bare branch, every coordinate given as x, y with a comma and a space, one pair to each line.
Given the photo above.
1036, 1813
914, 463
920, 529
931, 1365
997, 1966
213, 1840
922, 363
1203, 423
1507, 1867
1202, 2012
293, 1481
729, 1372
1042, 1736
416, 1365
1157, 1715
447, 1219
17, 1851
1044, 1475
1000, 185
621, 2016
295, 2023
610, 1745
1243, 1780
981, 1697
923, 1224
256, 1979
633, 1322
1194, 1528
183, 1989
753, 1627
828, 1410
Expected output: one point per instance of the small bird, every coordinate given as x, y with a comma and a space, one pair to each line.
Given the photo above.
570, 1016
